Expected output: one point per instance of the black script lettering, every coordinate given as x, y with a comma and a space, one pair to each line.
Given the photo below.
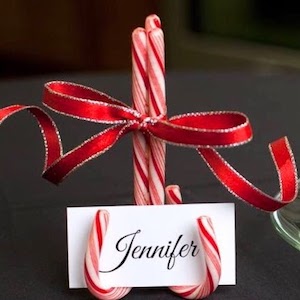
170, 251
136, 250
195, 250
118, 245
161, 249
171, 261
146, 249
157, 249
184, 248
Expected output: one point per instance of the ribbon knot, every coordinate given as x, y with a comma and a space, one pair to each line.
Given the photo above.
145, 121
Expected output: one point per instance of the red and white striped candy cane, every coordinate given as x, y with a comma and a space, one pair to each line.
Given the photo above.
91, 264
140, 103
157, 106
152, 21
211, 254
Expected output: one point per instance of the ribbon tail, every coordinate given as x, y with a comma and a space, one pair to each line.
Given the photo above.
240, 187
88, 150
47, 126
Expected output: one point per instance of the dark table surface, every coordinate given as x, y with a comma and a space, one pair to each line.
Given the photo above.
33, 248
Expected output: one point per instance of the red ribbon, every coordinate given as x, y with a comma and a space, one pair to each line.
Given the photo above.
204, 131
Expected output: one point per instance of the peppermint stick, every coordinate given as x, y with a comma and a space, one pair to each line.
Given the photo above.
211, 254
157, 106
140, 103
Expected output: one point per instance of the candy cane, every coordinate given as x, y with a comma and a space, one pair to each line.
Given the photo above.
157, 106
140, 103
211, 254
91, 266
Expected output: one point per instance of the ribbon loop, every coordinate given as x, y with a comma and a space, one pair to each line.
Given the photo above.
87, 104
211, 129
205, 130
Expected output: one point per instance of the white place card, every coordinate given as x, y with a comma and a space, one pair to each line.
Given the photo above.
168, 226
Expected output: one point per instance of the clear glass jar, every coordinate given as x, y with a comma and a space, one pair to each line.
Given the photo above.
287, 222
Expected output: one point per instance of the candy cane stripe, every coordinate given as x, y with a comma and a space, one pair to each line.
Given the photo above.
140, 102
157, 163
208, 237
157, 106
91, 264
156, 44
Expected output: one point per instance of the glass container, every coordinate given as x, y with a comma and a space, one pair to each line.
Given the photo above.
287, 222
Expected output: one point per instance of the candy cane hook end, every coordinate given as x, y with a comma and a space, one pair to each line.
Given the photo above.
91, 263
211, 254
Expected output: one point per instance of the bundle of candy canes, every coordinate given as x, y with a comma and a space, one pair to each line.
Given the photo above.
147, 119
148, 91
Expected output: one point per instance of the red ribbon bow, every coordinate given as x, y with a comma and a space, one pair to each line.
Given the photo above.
203, 130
